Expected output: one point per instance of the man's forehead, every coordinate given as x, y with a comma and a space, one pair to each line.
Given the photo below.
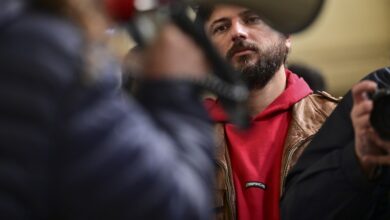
226, 11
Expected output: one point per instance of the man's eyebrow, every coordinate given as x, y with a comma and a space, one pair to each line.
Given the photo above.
247, 12
213, 23
226, 19
219, 20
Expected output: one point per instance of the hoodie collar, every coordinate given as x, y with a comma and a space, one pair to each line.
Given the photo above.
296, 89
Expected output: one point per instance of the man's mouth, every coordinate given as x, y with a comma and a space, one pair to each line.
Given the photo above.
243, 52
241, 49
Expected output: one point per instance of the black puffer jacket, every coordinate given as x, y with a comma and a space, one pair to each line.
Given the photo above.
72, 146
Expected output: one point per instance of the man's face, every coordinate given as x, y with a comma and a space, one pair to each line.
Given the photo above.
250, 45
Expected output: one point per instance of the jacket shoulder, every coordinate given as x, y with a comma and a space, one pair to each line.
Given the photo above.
323, 102
312, 111
323, 94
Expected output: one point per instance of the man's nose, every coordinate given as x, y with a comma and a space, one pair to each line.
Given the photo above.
239, 31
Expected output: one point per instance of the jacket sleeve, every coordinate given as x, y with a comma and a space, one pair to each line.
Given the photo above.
75, 147
327, 182
123, 160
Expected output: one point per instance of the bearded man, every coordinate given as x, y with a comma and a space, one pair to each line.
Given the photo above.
285, 114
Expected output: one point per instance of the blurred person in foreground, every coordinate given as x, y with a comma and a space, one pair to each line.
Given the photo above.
339, 169
72, 145
252, 164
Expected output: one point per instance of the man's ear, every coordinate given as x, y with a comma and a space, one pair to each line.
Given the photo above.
288, 41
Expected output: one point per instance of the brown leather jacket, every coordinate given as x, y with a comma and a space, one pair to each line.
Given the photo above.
307, 117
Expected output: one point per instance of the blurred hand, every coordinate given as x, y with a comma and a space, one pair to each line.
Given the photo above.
370, 149
174, 55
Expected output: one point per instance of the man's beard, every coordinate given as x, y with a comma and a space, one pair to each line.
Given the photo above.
257, 75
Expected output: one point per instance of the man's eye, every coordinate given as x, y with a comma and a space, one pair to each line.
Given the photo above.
253, 20
219, 29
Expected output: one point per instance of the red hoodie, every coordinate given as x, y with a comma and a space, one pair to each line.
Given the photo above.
256, 153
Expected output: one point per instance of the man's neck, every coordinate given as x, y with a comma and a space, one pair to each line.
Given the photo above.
259, 99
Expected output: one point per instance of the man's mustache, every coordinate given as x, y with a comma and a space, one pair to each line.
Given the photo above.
239, 46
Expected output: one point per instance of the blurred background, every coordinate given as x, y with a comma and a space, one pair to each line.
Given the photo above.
349, 39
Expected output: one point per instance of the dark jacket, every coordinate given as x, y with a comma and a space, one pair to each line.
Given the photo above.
72, 146
327, 182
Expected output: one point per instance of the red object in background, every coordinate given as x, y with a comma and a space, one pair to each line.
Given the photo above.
120, 10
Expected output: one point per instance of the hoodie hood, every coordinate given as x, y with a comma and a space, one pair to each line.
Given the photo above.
296, 90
